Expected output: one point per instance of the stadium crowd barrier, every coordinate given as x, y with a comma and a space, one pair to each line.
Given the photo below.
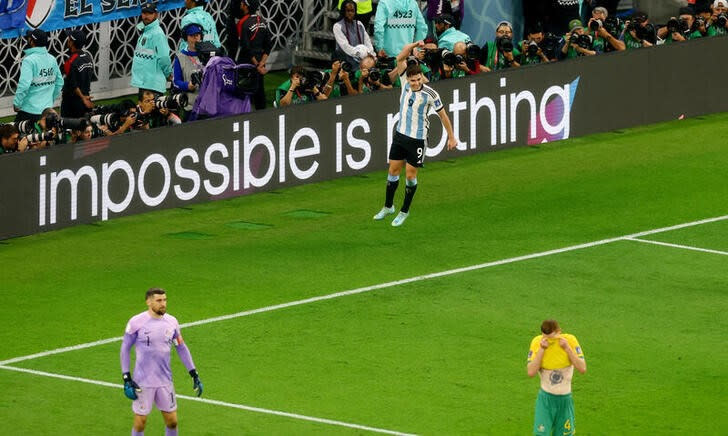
222, 158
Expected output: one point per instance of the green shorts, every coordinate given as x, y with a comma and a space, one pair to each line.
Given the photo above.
554, 415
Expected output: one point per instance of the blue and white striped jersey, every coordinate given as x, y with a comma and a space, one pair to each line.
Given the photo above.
414, 107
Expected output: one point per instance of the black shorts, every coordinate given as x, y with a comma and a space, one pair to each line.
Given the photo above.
410, 149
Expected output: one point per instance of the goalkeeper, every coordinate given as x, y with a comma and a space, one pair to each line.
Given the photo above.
153, 333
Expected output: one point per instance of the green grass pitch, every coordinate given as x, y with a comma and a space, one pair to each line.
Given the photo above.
436, 355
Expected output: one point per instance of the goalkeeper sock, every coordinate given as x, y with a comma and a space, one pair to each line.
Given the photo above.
392, 183
136, 433
170, 431
409, 194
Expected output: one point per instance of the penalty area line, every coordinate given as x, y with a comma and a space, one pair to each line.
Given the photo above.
215, 402
364, 289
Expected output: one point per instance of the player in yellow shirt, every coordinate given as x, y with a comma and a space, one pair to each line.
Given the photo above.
553, 356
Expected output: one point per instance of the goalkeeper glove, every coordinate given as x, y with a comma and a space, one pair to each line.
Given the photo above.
130, 386
196, 383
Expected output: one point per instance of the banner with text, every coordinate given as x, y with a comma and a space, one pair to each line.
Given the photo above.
18, 16
222, 158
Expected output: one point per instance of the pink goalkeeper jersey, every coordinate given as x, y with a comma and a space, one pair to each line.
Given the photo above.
153, 339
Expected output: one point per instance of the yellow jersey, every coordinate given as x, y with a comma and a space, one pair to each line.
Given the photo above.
554, 356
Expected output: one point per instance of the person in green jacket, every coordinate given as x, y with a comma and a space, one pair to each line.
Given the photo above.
447, 35
40, 81
151, 65
501, 53
396, 24
196, 14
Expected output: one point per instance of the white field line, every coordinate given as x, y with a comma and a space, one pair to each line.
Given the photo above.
380, 286
215, 402
684, 247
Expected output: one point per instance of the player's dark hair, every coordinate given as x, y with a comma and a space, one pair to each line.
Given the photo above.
549, 326
414, 70
298, 69
155, 291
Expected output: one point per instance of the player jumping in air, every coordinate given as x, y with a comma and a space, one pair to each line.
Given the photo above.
410, 137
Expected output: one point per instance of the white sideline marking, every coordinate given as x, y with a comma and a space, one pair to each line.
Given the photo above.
685, 247
215, 402
381, 286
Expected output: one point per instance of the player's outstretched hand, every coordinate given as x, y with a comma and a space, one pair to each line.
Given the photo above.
196, 383
130, 386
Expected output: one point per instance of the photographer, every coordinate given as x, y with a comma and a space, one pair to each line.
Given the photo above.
298, 89
638, 32
187, 68
153, 112
604, 31
114, 119
681, 28
501, 53
10, 140
718, 23
578, 42
79, 135
339, 81
532, 51
371, 77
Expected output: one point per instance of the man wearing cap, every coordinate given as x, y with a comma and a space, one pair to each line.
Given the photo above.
396, 24
187, 66
78, 71
573, 48
40, 81
498, 54
151, 65
196, 14
447, 34
254, 45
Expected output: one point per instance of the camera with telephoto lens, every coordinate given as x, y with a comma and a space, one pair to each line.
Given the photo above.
40, 136
698, 23
347, 67
673, 25
472, 51
595, 24
613, 25
433, 58
550, 45
54, 121
721, 20
532, 48
375, 75
25, 126
451, 59
196, 78
385, 66
584, 41
174, 101
314, 79
504, 44
110, 120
